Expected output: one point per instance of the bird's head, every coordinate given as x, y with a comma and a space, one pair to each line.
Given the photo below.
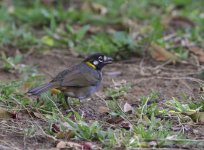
98, 61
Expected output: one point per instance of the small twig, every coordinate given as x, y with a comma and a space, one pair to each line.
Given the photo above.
186, 85
48, 73
102, 99
169, 37
141, 115
178, 140
8, 147
169, 78
162, 65
126, 117
185, 78
196, 60
118, 107
47, 135
182, 127
29, 52
56, 106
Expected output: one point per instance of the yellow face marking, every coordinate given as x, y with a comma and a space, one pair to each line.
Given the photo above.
91, 65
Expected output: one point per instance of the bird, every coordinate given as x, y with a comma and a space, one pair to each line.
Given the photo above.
79, 81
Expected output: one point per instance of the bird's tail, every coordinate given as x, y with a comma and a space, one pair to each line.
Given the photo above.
40, 89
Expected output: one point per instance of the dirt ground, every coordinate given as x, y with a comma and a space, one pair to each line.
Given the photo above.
144, 75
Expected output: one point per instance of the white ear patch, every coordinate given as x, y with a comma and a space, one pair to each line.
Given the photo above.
95, 62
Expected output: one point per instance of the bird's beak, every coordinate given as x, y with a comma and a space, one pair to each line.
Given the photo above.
108, 60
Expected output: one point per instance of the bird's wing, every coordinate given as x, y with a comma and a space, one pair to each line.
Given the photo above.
79, 79
61, 75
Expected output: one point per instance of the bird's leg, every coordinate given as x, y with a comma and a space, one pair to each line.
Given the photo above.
79, 101
66, 98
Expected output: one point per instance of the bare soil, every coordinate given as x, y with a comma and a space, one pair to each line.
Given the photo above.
144, 75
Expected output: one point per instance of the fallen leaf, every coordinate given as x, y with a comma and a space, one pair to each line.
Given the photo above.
125, 125
196, 116
127, 108
161, 54
199, 52
95, 7
63, 145
180, 22
38, 115
153, 144
90, 146
99, 8
171, 137
86, 146
95, 29
65, 134
103, 109
115, 120
47, 40
4, 114
55, 128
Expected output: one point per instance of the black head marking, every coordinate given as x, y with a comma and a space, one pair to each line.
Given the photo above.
98, 60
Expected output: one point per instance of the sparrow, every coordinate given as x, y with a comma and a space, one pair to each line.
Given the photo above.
79, 81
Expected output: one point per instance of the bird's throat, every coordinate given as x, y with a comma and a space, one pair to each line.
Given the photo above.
90, 65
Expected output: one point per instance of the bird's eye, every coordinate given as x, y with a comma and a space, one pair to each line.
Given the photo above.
100, 59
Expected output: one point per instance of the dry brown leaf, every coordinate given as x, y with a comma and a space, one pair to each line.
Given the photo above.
4, 114
99, 8
181, 22
39, 115
95, 7
103, 109
55, 128
63, 145
161, 54
115, 120
199, 52
127, 108
125, 125
89, 146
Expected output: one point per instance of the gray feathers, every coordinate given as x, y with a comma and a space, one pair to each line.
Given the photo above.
40, 89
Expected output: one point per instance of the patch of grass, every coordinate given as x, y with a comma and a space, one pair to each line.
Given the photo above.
148, 127
126, 28
87, 131
14, 65
12, 36
118, 91
20, 23
10, 95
